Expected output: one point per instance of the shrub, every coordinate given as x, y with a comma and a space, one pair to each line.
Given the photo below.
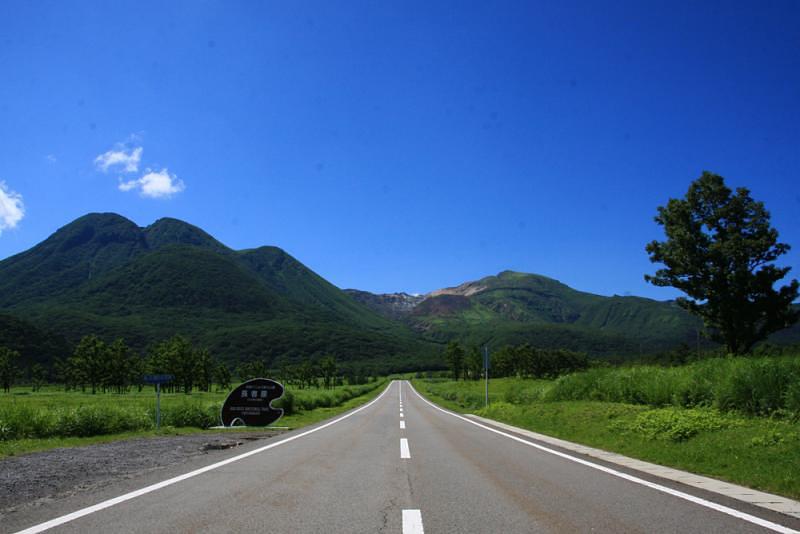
191, 414
85, 421
675, 424
792, 399
501, 411
286, 402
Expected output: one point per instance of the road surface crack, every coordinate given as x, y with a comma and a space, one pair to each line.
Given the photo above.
392, 505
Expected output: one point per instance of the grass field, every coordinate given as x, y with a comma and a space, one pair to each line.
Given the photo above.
757, 451
54, 418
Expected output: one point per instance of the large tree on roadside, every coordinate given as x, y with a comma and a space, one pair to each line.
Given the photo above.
720, 250
454, 356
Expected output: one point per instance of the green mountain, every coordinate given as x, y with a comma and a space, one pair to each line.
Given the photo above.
103, 274
517, 307
514, 308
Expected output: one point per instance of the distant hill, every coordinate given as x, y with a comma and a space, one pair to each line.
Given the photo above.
103, 274
513, 307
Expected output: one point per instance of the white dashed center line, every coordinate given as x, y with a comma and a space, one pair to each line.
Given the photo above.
404, 452
412, 522
402, 425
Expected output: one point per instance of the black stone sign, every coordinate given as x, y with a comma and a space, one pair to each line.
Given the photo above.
250, 403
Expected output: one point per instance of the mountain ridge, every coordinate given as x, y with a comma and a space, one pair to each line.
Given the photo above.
105, 275
514, 307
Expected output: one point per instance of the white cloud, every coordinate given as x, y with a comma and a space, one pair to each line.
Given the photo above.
12, 210
125, 158
155, 184
51, 158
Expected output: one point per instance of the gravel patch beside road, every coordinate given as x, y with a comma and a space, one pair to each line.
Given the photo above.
37, 478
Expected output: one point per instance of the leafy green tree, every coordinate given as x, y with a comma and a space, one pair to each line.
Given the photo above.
222, 376
38, 376
119, 366
137, 369
473, 365
90, 361
252, 369
328, 369
176, 357
720, 250
60, 371
8, 367
454, 356
205, 369
182, 362
504, 362
307, 374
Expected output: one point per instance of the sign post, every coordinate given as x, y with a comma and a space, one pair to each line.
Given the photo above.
158, 380
486, 371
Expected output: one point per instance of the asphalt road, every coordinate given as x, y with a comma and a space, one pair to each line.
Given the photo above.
375, 470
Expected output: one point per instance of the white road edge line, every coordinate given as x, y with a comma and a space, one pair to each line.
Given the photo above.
402, 425
658, 487
137, 493
404, 452
412, 522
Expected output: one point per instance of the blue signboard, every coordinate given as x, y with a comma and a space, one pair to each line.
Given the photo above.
158, 379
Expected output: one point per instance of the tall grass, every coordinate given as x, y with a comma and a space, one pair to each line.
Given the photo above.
759, 386
754, 386
470, 394
20, 421
82, 415
306, 399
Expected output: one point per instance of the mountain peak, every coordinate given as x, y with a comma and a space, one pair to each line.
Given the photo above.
95, 231
76, 252
101, 217
467, 289
169, 231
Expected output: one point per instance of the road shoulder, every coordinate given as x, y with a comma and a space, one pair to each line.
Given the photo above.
768, 501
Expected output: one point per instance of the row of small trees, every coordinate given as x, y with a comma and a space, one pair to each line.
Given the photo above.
97, 365
523, 361
324, 372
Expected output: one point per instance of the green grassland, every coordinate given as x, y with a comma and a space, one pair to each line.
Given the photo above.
743, 428
54, 418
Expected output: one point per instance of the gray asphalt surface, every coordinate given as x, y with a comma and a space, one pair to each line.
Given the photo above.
349, 477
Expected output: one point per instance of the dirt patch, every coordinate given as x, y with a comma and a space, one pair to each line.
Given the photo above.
40, 477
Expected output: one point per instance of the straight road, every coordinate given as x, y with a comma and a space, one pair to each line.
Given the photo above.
400, 464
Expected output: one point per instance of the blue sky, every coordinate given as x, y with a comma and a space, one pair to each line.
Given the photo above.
400, 146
